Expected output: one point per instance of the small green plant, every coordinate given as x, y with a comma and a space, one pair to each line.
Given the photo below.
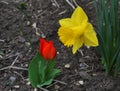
109, 34
22, 7
41, 68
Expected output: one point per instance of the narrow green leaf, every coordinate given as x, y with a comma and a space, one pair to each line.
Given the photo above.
33, 73
50, 66
48, 82
42, 69
117, 65
54, 72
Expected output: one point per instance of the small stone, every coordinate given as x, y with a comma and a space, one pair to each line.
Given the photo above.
26, 65
81, 82
34, 25
58, 53
12, 79
88, 47
21, 39
85, 75
67, 66
16, 86
28, 23
83, 66
77, 83
57, 87
27, 43
28, 83
1, 56
35, 89
94, 74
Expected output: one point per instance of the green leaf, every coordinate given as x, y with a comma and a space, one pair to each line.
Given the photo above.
48, 82
54, 73
42, 69
51, 72
117, 65
33, 73
49, 77
50, 66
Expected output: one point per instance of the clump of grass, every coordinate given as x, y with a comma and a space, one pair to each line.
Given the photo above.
109, 34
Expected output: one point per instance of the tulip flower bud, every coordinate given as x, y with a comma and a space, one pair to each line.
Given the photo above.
47, 49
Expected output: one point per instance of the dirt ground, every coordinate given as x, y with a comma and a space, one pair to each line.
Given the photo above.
19, 41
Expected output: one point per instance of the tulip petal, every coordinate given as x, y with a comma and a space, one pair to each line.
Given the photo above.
79, 16
42, 44
66, 36
67, 22
78, 43
49, 52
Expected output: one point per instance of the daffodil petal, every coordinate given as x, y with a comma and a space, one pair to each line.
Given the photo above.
67, 22
78, 43
79, 16
66, 36
90, 38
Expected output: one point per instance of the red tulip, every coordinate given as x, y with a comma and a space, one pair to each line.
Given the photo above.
47, 49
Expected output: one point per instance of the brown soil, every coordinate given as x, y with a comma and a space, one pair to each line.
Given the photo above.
19, 41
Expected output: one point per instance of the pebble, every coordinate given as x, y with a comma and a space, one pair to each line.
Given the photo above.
28, 83
34, 25
94, 74
27, 43
81, 82
12, 79
21, 39
1, 56
28, 23
57, 87
58, 52
67, 66
16, 86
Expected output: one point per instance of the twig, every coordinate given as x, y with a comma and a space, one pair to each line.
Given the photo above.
13, 67
90, 3
56, 3
62, 12
19, 75
70, 4
14, 60
43, 89
9, 56
51, 85
75, 3
56, 81
2, 40
60, 82
81, 52
42, 13
4, 2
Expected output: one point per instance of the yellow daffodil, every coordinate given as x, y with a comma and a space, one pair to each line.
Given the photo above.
76, 31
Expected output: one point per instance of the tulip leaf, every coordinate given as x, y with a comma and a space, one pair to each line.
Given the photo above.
49, 77
54, 72
33, 70
48, 82
50, 66
42, 69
